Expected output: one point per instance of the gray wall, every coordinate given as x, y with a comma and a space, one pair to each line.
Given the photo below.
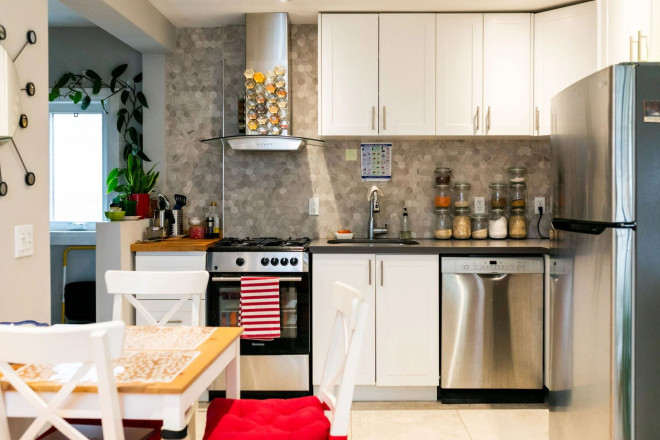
267, 193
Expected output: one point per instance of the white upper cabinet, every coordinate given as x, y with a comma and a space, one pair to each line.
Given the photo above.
348, 74
407, 74
377, 74
507, 74
459, 74
565, 51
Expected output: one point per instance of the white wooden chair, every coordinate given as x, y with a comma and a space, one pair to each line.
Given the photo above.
91, 345
333, 403
182, 285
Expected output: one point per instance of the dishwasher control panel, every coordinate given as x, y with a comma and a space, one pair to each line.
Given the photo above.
493, 265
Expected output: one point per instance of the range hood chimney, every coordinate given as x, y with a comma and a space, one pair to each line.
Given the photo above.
267, 47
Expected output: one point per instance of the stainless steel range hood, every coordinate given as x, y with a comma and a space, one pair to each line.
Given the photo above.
267, 46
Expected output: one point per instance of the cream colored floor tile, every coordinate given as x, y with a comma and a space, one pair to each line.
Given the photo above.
506, 424
407, 424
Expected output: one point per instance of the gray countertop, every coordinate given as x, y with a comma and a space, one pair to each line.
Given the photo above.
441, 247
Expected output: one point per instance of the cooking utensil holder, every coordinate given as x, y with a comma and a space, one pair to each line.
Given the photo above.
177, 224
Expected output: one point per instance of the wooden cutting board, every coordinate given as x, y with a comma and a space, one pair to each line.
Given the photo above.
175, 245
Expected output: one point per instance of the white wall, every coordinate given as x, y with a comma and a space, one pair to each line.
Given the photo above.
25, 282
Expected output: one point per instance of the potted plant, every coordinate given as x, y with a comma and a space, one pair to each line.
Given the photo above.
133, 184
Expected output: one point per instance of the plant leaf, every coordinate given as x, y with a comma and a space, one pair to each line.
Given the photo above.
77, 97
139, 142
117, 71
85, 103
93, 75
137, 114
138, 78
120, 121
113, 84
143, 156
127, 150
132, 134
112, 184
96, 88
62, 81
122, 111
124, 96
142, 99
113, 174
54, 94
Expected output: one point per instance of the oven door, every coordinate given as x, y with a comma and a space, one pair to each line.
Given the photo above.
222, 304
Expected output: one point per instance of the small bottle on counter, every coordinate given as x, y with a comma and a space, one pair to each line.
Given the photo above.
518, 223
479, 226
443, 224
209, 227
461, 224
404, 233
215, 218
497, 224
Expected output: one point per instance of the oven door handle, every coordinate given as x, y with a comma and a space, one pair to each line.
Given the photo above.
235, 279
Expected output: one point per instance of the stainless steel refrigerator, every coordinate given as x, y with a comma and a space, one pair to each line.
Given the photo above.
604, 295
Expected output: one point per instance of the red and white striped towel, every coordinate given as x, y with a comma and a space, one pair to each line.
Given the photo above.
259, 313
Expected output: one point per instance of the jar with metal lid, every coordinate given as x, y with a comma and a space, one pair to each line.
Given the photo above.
517, 174
497, 224
518, 195
461, 224
442, 176
443, 224
498, 195
479, 226
518, 223
442, 196
461, 195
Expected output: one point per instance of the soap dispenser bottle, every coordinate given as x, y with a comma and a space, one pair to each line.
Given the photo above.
404, 233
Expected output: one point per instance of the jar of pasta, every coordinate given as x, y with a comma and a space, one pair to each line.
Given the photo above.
461, 223
461, 195
443, 224
442, 196
518, 223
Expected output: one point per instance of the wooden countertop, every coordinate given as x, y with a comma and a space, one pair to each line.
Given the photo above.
175, 245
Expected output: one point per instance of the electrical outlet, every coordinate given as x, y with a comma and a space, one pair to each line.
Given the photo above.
539, 202
313, 206
479, 205
23, 241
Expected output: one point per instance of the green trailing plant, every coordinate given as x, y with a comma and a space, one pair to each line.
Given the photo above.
132, 179
77, 88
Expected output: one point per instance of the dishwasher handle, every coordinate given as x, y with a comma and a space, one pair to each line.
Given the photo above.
493, 276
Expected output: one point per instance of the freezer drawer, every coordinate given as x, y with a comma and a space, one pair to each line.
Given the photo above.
492, 323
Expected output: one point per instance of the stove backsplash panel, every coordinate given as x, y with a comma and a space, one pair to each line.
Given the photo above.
267, 193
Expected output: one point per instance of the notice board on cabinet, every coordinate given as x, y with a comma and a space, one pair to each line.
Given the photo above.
376, 161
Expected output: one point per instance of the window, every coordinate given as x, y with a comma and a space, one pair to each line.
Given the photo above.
78, 161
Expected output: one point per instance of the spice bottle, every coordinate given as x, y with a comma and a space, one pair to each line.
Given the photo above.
461, 224
443, 224
518, 223
404, 233
213, 214
209, 227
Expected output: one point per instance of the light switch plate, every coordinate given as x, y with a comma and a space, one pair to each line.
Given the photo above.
313, 206
479, 205
23, 241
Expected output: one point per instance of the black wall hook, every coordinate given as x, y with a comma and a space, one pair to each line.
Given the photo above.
3, 185
30, 89
30, 178
31, 39
3, 32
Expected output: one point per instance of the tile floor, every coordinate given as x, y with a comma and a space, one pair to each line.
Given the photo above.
433, 420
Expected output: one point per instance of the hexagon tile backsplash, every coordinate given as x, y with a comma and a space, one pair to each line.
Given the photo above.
266, 193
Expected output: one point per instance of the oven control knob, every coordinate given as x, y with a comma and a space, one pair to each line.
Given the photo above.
264, 261
274, 261
240, 261
284, 261
294, 261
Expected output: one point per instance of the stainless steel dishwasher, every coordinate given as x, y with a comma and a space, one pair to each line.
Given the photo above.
492, 323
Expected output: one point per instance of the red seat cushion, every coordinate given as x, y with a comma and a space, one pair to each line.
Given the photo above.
273, 419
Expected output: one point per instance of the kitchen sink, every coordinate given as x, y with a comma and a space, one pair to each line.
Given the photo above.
374, 241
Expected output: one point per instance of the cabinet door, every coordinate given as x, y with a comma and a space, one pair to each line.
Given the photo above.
619, 25
356, 271
459, 74
407, 74
507, 74
348, 76
565, 51
407, 328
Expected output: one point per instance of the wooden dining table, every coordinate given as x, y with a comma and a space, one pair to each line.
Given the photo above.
160, 376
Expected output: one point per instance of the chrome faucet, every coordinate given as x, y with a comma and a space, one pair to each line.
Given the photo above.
374, 207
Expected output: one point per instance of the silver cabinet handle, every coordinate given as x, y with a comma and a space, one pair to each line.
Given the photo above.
488, 120
384, 119
381, 272
537, 124
234, 279
373, 118
176, 321
476, 121
370, 272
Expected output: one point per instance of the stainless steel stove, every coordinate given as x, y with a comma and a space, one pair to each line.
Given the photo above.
278, 367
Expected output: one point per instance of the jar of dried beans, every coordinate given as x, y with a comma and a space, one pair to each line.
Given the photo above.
461, 224
518, 223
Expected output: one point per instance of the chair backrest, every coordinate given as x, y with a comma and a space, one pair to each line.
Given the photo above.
340, 368
182, 285
92, 345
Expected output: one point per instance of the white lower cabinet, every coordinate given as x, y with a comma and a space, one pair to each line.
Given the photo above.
401, 345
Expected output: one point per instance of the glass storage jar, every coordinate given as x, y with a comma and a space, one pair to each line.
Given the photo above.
518, 195
498, 195
518, 223
195, 228
461, 195
517, 174
479, 226
443, 224
497, 224
442, 196
461, 223
442, 176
